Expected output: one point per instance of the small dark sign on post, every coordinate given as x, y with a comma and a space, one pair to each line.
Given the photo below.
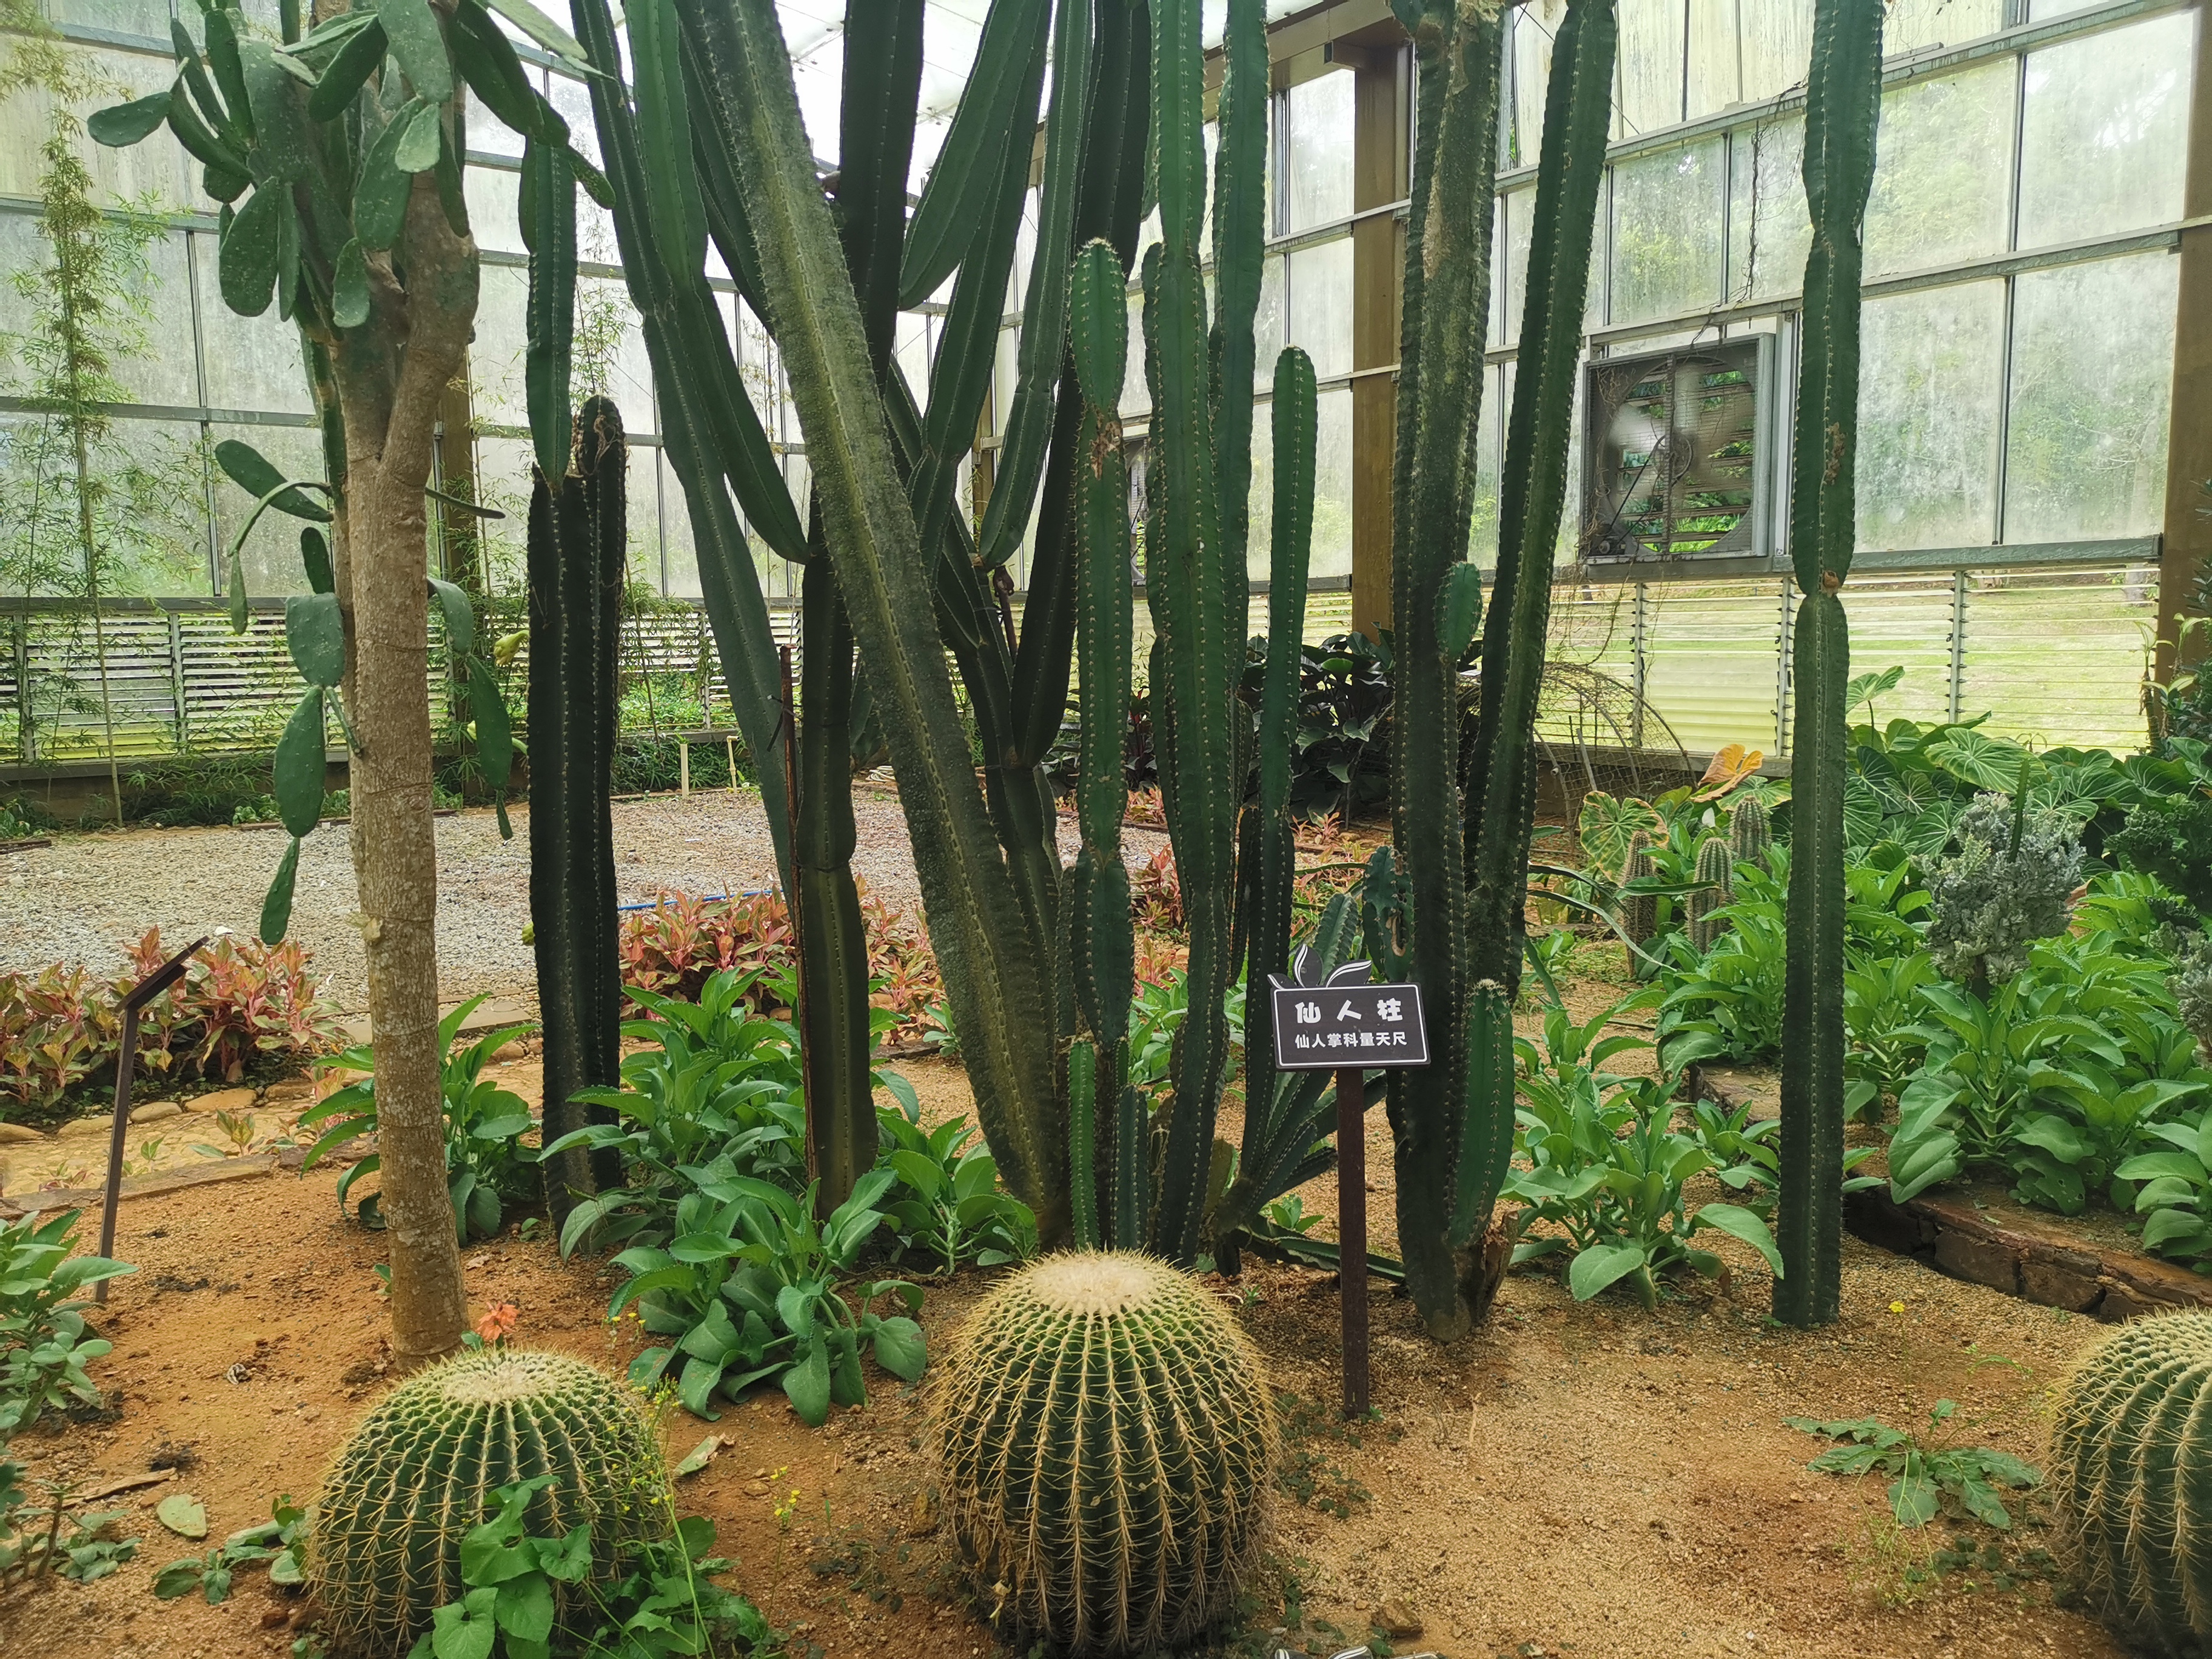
126, 1062
1340, 1022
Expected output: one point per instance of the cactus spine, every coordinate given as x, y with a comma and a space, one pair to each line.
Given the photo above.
579, 539
1716, 871
385, 1530
1843, 105
1749, 832
2127, 1473
1107, 1440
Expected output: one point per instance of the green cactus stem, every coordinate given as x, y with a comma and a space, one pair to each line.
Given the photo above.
577, 541
1716, 871
385, 1530
1750, 834
1106, 1440
1843, 105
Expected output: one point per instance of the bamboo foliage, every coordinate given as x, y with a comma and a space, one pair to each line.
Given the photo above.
1842, 108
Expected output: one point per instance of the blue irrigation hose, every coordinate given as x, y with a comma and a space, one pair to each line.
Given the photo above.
711, 898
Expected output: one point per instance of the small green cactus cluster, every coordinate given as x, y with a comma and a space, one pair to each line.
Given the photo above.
1106, 1442
1715, 876
1640, 916
1750, 834
385, 1531
2129, 1472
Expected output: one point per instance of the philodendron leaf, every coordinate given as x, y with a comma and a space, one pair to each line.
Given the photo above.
276, 907
300, 765
315, 555
349, 287
245, 266
125, 125
183, 1515
315, 633
252, 472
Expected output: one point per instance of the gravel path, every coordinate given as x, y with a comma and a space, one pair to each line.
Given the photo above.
81, 898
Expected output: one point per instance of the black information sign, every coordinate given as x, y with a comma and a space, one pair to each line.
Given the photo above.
1345, 1021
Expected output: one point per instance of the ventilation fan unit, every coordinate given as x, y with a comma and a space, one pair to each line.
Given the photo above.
1677, 467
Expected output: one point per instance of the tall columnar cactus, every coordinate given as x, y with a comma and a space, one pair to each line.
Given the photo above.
1749, 833
385, 1530
1107, 1440
1453, 1120
1843, 105
579, 538
1716, 871
1640, 916
1101, 941
2128, 1476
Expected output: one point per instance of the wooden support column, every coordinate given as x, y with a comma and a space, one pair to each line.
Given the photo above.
1381, 174
2188, 531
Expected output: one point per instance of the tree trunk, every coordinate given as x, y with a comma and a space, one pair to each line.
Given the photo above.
389, 378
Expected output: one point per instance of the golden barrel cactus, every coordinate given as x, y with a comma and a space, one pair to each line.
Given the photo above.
1107, 1443
385, 1530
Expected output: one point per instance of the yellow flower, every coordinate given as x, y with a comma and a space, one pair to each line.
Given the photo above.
1897, 1307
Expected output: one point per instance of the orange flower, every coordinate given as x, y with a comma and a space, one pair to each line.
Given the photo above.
498, 1322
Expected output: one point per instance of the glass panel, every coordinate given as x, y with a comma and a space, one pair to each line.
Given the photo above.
503, 481
147, 18
148, 341
486, 132
1519, 205
2106, 132
595, 225
1332, 530
911, 347
149, 514
498, 396
1667, 232
1940, 171
1259, 548
644, 500
680, 546
1769, 227
1005, 379
1929, 379
1777, 38
1533, 26
1916, 25
1650, 60
1715, 78
271, 554
1268, 323
1482, 533
608, 359
491, 193
1317, 162
2092, 376
252, 362
1025, 237
2042, 11
1320, 306
1136, 395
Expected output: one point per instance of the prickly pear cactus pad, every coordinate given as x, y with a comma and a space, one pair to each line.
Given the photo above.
1106, 1442
2129, 1473
385, 1531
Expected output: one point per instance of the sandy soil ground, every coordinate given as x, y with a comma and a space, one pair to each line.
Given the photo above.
1589, 1481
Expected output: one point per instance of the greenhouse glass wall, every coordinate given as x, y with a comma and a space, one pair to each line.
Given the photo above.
2031, 224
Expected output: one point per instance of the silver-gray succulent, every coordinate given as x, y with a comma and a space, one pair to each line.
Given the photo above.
2010, 883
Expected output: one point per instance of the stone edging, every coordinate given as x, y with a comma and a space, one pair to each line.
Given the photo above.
2054, 1272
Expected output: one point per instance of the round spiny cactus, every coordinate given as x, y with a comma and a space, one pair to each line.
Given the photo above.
1107, 1443
2131, 1472
1749, 833
385, 1530
1716, 870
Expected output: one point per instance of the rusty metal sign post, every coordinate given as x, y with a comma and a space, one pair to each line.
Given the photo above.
1342, 1023
126, 1064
